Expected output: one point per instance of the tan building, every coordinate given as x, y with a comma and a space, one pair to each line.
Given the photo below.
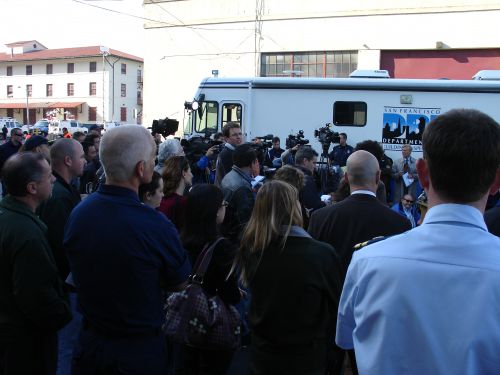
89, 84
187, 40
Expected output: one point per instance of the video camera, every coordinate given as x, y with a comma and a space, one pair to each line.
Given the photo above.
326, 136
165, 126
265, 141
297, 139
198, 146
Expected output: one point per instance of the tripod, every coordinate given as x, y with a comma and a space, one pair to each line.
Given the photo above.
324, 168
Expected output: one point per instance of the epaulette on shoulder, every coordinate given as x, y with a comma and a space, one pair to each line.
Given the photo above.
369, 242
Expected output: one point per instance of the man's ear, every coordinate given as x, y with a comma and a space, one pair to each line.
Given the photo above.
346, 177
139, 169
423, 173
496, 184
378, 177
31, 188
67, 160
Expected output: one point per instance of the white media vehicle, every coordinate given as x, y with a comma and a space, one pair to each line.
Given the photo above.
393, 112
10, 124
72, 126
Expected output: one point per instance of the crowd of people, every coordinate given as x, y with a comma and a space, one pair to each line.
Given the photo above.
97, 232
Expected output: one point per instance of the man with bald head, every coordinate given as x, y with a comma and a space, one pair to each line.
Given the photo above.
67, 162
356, 219
121, 265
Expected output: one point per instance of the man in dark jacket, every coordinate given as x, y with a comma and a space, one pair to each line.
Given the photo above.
32, 301
10, 148
237, 189
306, 159
234, 137
68, 160
356, 219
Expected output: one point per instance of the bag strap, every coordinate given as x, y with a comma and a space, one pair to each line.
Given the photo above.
204, 258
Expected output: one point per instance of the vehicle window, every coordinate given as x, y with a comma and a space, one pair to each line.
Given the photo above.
206, 117
187, 123
349, 113
231, 112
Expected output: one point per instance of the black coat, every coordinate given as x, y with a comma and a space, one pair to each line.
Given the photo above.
492, 219
356, 219
55, 213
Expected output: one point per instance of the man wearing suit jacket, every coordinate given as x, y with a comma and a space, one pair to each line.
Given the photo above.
407, 164
356, 219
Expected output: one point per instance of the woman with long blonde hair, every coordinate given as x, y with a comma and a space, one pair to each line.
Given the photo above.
295, 286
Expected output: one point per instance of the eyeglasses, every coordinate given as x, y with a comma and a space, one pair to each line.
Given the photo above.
18, 134
408, 200
224, 204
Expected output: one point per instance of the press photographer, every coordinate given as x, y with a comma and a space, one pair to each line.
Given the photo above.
202, 153
329, 178
293, 143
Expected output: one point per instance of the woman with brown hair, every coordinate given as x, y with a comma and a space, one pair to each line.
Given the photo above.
176, 177
295, 286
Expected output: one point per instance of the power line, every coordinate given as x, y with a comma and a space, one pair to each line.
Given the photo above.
208, 54
153, 20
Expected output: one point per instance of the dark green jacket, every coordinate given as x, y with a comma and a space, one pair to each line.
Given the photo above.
55, 213
31, 292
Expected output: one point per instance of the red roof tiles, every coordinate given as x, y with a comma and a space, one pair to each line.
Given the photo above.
64, 53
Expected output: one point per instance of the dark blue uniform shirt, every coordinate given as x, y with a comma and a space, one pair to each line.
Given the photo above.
121, 252
339, 154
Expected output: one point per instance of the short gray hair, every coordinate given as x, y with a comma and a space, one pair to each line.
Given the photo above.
362, 168
168, 148
122, 148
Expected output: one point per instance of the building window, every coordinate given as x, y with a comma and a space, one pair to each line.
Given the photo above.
10, 91
9, 70
10, 112
92, 88
71, 89
29, 90
49, 68
139, 97
124, 68
92, 66
124, 90
48, 89
92, 113
123, 114
71, 67
325, 64
139, 76
29, 70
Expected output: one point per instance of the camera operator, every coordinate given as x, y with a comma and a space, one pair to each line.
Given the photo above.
293, 143
305, 160
204, 168
234, 137
341, 152
275, 152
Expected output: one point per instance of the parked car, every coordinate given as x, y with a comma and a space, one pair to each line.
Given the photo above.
41, 126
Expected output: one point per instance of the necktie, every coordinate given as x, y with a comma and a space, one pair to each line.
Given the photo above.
405, 166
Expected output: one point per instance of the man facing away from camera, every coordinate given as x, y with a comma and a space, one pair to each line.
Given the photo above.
427, 301
120, 268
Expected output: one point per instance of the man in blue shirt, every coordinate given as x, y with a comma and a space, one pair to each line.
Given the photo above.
427, 301
121, 266
341, 152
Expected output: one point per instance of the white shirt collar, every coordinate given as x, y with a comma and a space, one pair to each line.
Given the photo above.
364, 192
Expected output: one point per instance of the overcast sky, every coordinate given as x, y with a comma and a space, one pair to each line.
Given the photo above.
73, 23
